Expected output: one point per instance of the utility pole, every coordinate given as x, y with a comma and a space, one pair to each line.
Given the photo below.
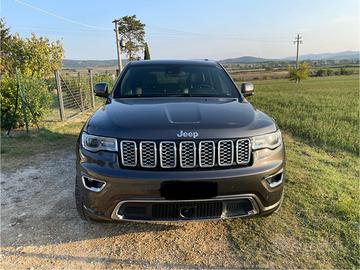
118, 44
297, 41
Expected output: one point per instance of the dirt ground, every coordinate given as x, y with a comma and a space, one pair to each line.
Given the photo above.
40, 228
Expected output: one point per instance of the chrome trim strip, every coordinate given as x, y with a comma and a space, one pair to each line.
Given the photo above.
161, 154
92, 188
122, 154
278, 183
213, 155
141, 154
181, 154
237, 151
232, 153
252, 198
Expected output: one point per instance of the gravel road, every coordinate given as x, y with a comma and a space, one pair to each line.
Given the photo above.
40, 228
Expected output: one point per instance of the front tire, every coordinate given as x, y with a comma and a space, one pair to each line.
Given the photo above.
79, 200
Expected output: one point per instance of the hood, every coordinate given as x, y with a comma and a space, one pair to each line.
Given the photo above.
178, 118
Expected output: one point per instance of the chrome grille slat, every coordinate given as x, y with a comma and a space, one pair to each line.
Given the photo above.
128, 153
187, 154
168, 154
206, 154
243, 151
148, 155
191, 154
225, 153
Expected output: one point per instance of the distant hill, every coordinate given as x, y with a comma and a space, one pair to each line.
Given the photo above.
346, 55
245, 60
68, 63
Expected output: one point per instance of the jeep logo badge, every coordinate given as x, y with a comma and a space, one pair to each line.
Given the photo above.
189, 134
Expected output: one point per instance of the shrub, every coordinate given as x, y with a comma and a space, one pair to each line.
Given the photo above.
321, 73
36, 94
300, 73
329, 72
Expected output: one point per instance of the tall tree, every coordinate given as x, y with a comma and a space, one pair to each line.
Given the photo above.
132, 32
146, 52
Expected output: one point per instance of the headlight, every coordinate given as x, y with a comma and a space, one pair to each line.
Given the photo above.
271, 141
96, 143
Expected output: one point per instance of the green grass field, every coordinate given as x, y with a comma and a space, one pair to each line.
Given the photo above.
318, 224
321, 111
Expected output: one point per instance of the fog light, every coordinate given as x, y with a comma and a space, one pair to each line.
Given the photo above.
92, 184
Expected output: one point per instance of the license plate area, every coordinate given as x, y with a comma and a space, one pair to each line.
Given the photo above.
181, 190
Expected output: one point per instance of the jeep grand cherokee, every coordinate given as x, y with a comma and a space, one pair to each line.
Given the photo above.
177, 140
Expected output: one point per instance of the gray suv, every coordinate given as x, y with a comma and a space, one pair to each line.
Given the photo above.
177, 140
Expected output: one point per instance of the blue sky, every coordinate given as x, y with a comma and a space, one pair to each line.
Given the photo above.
214, 29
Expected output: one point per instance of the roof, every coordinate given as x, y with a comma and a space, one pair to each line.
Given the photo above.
204, 62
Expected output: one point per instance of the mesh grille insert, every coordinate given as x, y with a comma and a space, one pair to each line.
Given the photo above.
128, 153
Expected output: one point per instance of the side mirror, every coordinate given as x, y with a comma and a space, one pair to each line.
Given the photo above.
101, 89
247, 89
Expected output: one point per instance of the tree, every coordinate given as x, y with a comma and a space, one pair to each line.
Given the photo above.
132, 32
300, 73
146, 52
5, 37
34, 57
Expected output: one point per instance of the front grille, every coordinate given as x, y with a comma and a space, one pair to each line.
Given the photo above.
206, 154
128, 153
226, 153
168, 154
243, 151
185, 154
148, 154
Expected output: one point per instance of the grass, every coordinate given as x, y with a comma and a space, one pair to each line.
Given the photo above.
52, 135
321, 111
318, 224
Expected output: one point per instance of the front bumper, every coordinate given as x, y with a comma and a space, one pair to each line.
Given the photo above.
141, 190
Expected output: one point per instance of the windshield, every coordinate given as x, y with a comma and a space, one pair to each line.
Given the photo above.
175, 81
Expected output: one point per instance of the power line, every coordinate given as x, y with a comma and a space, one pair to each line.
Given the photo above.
59, 16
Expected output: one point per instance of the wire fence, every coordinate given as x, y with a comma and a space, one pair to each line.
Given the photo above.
74, 90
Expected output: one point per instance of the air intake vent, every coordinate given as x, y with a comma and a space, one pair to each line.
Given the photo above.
226, 153
128, 153
148, 154
168, 154
187, 154
243, 151
206, 154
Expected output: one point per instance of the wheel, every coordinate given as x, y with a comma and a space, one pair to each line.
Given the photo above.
80, 201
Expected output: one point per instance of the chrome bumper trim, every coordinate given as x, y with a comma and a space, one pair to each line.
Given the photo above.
255, 202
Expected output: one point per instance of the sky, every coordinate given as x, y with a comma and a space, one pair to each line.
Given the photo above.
192, 29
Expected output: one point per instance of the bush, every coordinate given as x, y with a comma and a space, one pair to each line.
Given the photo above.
345, 71
36, 94
330, 72
104, 78
321, 73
